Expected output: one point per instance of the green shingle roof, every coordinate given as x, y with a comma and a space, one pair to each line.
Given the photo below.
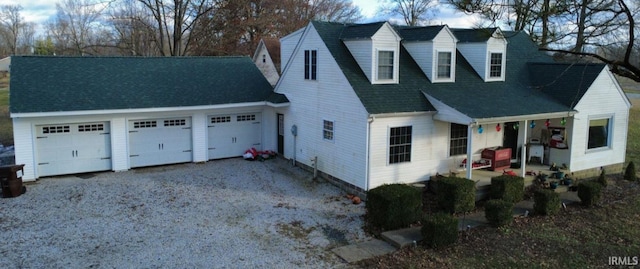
567, 83
423, 33
48, 84
470, 95
473, 35
360, 31
377, 98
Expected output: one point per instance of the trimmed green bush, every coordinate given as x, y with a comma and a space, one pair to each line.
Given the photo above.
508, 188
630, 172
602, 179
589, 192
546, 202
498, 212
393, 206
439, 230
456, 194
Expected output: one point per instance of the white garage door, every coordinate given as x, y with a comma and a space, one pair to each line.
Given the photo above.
73, 148
232, 135
159, 141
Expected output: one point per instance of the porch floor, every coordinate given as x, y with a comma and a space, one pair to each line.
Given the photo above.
482, 177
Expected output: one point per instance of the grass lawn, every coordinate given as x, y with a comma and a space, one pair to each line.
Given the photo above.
6, 127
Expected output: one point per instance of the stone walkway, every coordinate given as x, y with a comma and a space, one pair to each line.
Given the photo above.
394, 240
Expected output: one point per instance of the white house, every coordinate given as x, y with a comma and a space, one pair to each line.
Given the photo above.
85, 114
267, 58
373, 104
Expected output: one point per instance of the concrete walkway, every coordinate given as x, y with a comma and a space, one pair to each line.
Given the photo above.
394, 240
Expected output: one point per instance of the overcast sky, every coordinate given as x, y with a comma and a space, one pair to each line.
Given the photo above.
40, 11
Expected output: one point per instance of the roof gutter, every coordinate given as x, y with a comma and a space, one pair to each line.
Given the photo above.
523, 117
141, 110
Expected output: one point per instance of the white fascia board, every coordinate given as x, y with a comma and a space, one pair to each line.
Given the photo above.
134, 110
539, 116
401, 114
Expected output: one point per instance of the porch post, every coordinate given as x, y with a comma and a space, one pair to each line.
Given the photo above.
523, 157
469, 157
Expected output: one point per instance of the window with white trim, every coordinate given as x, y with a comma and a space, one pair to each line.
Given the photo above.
90, 127
458, 139
400, 144
385, 65
176, 122
599, 133
310, 64
444, 65
495, 65
144, 124
327, 130
55, 129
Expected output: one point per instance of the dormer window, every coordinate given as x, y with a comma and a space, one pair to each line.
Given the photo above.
444, 65
385, 65
495, 65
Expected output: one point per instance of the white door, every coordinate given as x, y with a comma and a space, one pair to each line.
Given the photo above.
73, 148
159, 141
232, 135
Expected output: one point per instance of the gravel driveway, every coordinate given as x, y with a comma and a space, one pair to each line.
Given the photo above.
227, 213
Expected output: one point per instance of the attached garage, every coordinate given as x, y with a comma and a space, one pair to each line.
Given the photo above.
231, 135
73, 148
91, 114
159, 141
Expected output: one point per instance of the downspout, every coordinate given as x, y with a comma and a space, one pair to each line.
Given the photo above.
367, 152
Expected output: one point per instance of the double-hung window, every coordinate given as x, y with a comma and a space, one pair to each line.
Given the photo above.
495, 65
444, 65
458, 139
400, 144
310, 64
385, 65
327, 130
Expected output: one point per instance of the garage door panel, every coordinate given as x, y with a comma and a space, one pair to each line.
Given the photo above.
160, 141
73, 148
231, 135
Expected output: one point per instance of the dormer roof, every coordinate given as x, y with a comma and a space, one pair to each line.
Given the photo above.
474, 35
419, 33
470, 95
360, 31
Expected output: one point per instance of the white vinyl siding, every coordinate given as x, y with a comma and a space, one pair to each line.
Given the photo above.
428, 146
478, 55
361, 50
344, 158
599, 102
287, 46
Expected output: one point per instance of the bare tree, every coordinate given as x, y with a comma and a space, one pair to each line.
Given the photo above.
236, 26
174, 21
11, 26
133, 29
414, 12
74, 28
574, 27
